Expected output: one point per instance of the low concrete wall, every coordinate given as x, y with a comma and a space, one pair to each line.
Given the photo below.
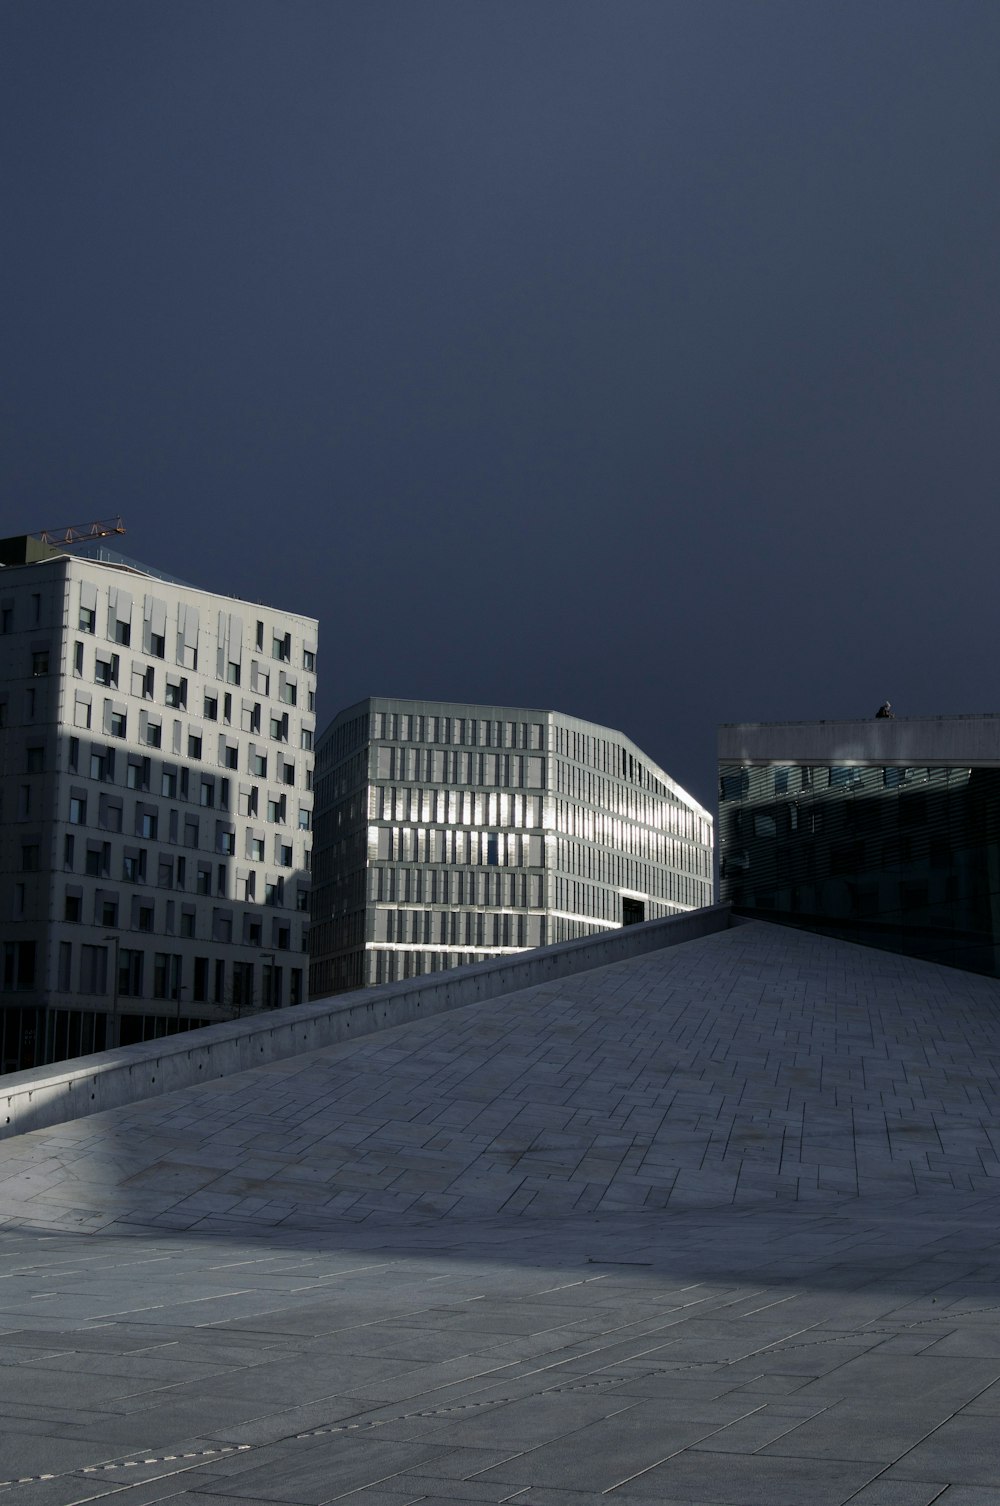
88, 1084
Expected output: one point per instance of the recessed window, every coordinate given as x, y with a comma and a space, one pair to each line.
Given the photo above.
232, 673
77, 811
123, 633
154, 734
175, 694
157, 645
72, 907
118, 724
211, 708
308, 659
194, 746
40, 662
106, 671
88, 620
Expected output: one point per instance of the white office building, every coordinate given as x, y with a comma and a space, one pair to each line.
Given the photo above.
156, 784
447, 834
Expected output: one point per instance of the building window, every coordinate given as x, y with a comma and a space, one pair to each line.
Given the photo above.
77, 811
40, 663
130, 973
194, 746
257, 849
154, 735
207, 793
106, 671
281, 648
144, 918
118, 721
148, 823
78, 658
232, 758
88, 620
258, 765
308, 659
306, 739
73, 908
137, 774
232, 673
123, 633
211, 708
157, 645
168, 783
175, 694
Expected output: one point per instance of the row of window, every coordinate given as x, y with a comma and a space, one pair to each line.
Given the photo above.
643, 832
107, 671
452, 807
162, 975
468, 731
450, 767
155, 644
458, 928
612, 867
138, 913
734, 784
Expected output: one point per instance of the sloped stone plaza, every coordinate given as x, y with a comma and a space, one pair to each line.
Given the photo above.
718, 1224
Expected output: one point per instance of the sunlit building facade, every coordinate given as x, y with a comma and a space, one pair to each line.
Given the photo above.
885, 831
446, 834
156, 754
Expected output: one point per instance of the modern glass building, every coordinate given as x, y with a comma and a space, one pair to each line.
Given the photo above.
446, 834
884, 831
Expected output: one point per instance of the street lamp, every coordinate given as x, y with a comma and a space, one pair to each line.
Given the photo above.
114, 996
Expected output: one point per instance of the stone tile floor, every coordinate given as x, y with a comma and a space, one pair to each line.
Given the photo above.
716, 1225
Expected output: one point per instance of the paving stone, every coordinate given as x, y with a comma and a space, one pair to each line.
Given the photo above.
720, 1224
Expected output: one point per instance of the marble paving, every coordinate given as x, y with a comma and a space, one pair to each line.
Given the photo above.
719, 1224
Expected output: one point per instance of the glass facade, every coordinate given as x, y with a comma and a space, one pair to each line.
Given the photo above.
447, 834
904, 857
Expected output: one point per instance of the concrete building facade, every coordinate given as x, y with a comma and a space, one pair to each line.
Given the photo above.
885, 831
155, 774
447, 834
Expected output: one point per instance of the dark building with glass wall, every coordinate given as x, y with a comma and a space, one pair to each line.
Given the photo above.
885, 831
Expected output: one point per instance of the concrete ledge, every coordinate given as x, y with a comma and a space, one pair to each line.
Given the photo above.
89, 1084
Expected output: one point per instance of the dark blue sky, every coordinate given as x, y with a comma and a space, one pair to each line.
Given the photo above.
635, 359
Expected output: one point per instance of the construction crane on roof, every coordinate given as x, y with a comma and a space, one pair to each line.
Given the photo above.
79, 533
